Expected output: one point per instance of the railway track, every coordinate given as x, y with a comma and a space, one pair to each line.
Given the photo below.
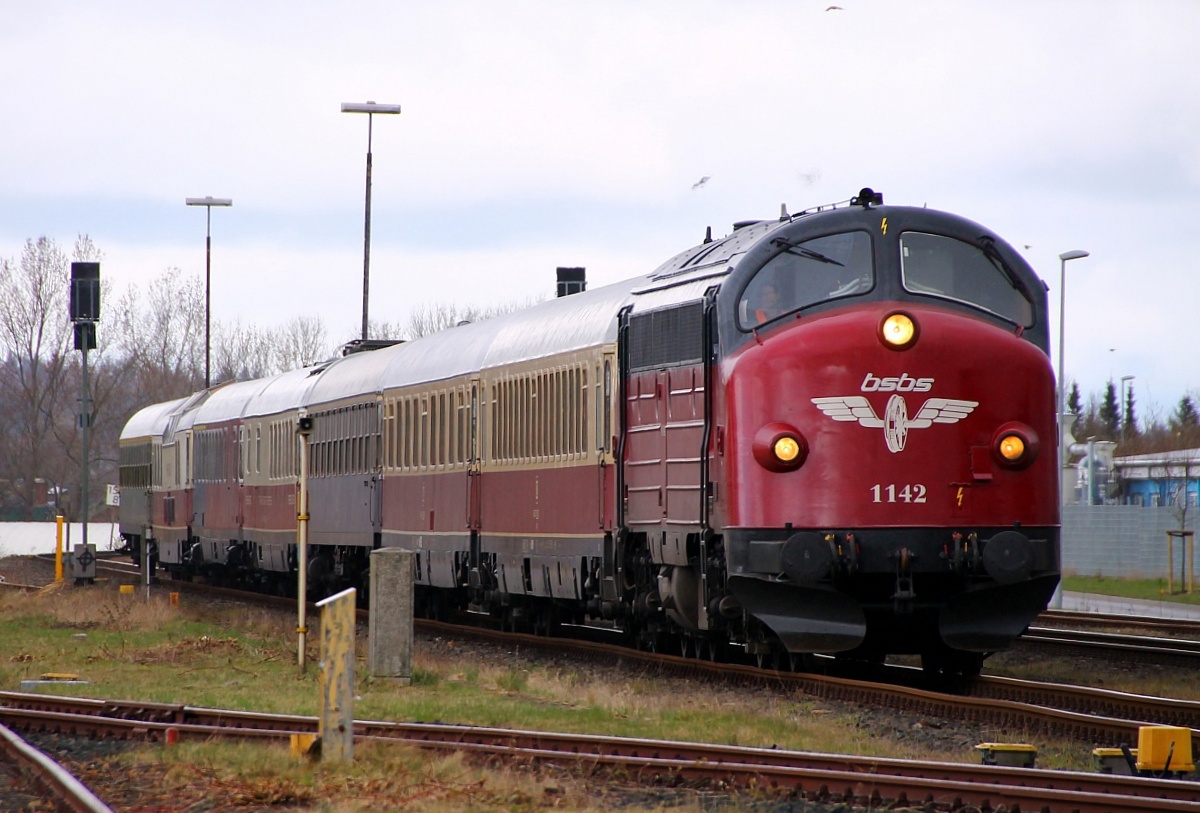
1091, 715
1084, 714
1109, 621
22, 765
826, 778
1138, 648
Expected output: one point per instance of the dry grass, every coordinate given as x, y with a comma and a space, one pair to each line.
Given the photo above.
382, 776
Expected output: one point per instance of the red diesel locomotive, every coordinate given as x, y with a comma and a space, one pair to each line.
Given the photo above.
828, 433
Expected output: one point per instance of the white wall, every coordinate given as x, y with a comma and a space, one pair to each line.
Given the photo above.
27, 538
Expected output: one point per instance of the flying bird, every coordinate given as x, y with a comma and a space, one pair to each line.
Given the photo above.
835, 8
700, 182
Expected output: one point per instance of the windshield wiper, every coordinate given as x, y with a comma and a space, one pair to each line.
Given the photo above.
988, 245
801, 251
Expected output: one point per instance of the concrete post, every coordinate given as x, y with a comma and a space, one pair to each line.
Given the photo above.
390, 636
336, 725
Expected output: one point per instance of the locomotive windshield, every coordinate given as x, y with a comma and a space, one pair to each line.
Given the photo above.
807, 273
933, 265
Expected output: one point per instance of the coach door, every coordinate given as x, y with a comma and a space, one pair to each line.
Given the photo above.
606, 471
474, 481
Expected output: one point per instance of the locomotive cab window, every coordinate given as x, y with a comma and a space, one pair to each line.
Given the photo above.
933, 265
803, 274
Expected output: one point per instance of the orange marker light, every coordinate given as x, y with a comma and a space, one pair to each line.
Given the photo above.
787, 449
898, 330
1012, 447
779, 447
1015, 445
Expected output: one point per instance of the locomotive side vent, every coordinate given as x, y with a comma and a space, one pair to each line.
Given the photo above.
667, 337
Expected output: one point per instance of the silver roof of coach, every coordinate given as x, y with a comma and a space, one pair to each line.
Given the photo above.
151, 420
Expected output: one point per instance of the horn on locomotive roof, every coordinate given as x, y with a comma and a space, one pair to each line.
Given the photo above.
866, 197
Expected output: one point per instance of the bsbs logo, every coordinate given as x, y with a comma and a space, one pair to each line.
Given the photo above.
904, 383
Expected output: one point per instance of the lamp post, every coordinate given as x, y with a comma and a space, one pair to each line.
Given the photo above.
1125, 406
370, 108
208, 203
1075, 254
1062, 309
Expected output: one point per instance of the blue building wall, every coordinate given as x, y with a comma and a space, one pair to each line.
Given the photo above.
1160, 491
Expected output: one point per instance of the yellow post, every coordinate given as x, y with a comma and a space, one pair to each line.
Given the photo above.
336, 726
58, 547
304, 428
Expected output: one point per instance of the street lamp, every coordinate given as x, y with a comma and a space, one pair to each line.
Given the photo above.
1062, 389
1077, 254
1125, 406
208, 203
370, 108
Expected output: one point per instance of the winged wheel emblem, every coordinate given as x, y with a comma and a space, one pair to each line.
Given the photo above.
895, 421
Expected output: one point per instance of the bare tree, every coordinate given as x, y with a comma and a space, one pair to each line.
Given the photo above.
241, 352
161, 335
431, 318
299, 343
39, 403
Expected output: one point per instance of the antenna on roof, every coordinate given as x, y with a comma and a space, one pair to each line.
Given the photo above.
783, 215
708, 235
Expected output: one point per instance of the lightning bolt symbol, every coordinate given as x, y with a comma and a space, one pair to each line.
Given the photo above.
883, 225
960, 496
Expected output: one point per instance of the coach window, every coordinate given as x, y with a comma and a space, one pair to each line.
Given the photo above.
473, 444
606, 437
361, 432
807, 273
447, 406
491, 405
402, 432
435, 417
938, 266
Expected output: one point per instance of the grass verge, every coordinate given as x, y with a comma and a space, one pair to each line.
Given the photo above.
1148, 589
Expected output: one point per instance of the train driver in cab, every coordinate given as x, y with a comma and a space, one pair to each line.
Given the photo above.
765, 301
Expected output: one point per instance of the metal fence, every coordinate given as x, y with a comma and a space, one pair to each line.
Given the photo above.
1123, 541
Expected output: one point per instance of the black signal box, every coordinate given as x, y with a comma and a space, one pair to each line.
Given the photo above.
85, 292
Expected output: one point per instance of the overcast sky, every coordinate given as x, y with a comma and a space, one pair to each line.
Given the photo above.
539, 134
